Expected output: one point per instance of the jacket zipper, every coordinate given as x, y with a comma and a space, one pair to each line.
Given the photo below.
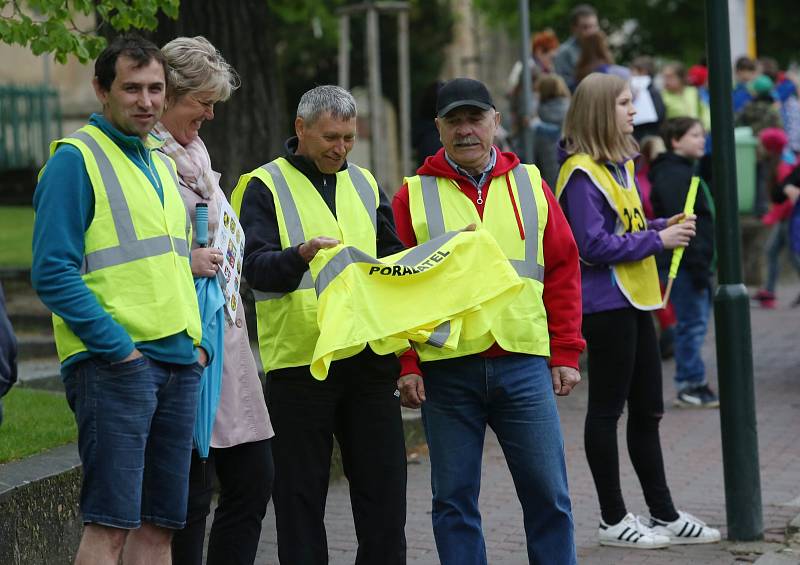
480, 195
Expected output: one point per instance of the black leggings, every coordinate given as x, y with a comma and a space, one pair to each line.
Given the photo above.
245, 474
624, 364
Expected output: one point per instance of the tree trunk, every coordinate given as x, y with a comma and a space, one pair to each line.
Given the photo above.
248, 130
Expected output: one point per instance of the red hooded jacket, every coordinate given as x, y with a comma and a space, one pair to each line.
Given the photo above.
562, 276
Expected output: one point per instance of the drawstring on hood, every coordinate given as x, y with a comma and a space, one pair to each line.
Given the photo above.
516, 211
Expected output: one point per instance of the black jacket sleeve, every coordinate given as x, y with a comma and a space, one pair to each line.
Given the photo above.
792, 178
8, 349
267, 266
670, 185
388, 242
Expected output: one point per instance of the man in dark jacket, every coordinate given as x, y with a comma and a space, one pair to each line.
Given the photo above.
8, 352
671, 175
309, 199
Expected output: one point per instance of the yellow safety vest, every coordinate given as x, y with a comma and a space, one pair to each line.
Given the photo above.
638, 280
287, 322
437, 206
136, 255
427, 294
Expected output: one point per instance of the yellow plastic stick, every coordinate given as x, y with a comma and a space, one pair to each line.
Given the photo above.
677, 253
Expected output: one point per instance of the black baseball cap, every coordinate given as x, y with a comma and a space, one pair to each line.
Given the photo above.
462, 92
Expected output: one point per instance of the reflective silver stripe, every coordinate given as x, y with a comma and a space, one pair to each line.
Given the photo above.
349, 255
421, 252
180, 246
530, 267
130, 248
305, 283
433, 206
123, 222
168, 165
338, 263
440, 334
131, 251
291, 217
365, 192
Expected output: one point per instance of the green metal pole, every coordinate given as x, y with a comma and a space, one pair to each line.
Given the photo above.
731, 302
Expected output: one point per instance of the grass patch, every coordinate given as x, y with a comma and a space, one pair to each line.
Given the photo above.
16, 233
34, 421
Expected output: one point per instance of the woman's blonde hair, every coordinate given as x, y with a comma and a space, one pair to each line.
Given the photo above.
549, 86
195, 66
591, 124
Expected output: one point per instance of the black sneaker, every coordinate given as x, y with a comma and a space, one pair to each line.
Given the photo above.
697, 397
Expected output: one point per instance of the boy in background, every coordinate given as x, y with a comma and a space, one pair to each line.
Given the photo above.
670, 176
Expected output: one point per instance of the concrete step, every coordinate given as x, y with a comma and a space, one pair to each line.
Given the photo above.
32, 322
43, 373
35, 346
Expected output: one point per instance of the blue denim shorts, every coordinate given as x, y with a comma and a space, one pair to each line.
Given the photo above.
135, 423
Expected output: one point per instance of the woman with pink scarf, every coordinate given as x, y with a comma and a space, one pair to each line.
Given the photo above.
240, 454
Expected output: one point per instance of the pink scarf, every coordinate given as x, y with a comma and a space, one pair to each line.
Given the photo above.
193, 162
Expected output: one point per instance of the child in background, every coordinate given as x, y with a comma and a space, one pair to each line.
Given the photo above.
681, 99
671, 175
779, 162
553, 105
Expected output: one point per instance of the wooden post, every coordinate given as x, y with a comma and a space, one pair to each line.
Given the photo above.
406, 166
374, 81
344, 51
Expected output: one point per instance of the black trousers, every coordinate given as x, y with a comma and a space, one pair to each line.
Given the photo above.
625, 366
357, 405
245, 474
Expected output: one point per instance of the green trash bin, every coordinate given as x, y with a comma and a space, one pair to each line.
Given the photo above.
746, 144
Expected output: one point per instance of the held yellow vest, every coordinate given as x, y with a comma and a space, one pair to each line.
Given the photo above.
426, 294
638, 280
136, 257
287, 322
437, 206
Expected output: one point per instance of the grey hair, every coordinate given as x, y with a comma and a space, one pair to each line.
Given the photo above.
195, 66
326, 98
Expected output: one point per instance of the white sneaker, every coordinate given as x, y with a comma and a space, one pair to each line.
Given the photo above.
686, 529
630, 532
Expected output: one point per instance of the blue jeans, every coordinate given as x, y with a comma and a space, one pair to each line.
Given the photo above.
135, 422
692, 309
514, 395
778, 239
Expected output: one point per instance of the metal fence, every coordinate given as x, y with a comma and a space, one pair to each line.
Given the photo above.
30, 118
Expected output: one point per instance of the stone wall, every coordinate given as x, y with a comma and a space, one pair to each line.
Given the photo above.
39, 520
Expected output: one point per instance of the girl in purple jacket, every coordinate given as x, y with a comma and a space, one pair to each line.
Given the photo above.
597, 190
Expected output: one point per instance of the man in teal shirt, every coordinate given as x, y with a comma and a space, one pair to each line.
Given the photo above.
134, 402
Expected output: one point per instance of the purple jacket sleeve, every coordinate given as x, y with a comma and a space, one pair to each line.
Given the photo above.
593, 222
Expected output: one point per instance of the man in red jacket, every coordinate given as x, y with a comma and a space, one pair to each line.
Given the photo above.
502, 379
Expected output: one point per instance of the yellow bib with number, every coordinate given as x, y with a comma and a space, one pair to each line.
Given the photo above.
638, 280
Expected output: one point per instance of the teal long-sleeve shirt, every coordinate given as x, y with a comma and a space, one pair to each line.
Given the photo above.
64, 206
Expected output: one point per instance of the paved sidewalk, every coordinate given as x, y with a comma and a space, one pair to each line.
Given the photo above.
692, 451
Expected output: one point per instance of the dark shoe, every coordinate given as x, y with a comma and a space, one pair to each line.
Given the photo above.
697, 397
796, 302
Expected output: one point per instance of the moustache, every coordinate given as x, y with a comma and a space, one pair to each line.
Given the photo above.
469, 140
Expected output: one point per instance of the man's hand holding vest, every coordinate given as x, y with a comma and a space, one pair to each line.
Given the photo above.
564, 379
412, 390
308, 250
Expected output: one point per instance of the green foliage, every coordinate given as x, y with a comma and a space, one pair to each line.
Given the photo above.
34, 421
16, 233
48, 25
